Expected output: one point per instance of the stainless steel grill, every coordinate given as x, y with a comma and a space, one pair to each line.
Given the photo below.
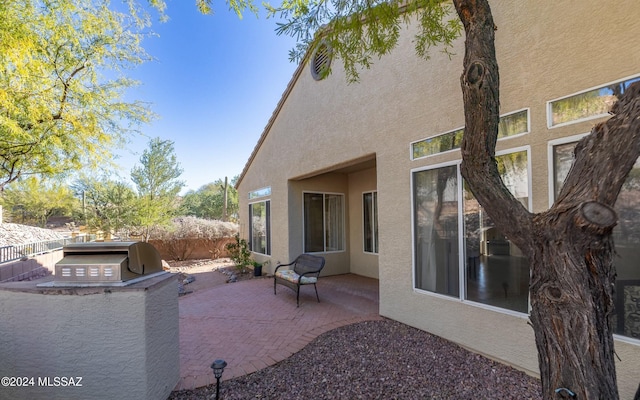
107, 262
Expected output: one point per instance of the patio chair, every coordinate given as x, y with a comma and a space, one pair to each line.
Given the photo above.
304, 270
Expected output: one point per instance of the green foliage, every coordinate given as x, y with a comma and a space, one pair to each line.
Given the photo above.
239, 252
208, 201
360, 30
62, 83
32, 201
158, 175
237, 6
108, 204
157, 184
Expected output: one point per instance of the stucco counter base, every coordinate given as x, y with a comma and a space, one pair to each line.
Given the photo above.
95, 342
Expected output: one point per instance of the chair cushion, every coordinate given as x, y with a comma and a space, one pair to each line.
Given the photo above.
291, 276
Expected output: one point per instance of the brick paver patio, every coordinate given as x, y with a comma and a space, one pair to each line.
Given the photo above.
249, 327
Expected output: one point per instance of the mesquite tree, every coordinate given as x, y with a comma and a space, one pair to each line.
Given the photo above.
569, 246
62, 85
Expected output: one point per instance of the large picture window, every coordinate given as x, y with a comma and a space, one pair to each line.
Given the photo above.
489, 269
436, 228
260, 227
323, 222
370, 221
626, 236
497, 273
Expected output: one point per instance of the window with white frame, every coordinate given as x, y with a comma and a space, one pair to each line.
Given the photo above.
590, 104
512, 124
437, 144
323, 222
436, 230
370, 222
260, 227
626, 236
266, 191
458, 251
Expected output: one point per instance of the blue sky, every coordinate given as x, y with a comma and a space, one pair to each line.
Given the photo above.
215, 83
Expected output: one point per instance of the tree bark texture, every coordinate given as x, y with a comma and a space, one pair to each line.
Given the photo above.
570, 247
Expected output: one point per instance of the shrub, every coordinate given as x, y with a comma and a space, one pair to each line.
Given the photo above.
186, 234
239, 253
196, 228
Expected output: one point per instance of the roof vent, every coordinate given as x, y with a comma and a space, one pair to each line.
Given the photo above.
321, 62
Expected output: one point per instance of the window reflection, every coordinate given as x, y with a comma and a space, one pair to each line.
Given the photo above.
591, 104
370, 221
513, 124
497, 273
438, 144
510, 125
436, 229
323, 222
259, 227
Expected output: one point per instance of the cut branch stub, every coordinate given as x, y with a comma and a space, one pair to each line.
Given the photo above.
553, 293
475, 72
595, 217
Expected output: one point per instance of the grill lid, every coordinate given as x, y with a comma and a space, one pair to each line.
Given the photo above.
107, 262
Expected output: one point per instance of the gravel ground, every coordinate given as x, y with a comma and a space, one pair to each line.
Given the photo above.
378, 360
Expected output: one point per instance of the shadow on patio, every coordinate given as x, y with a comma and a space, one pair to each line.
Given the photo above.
247, 325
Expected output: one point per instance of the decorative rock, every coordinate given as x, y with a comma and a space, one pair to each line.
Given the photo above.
15, 234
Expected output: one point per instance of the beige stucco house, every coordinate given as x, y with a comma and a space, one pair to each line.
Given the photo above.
367, 174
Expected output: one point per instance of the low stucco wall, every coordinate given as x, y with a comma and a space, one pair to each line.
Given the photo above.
21, 269
192, 249
122, 342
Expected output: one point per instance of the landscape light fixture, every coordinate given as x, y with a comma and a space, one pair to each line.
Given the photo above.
218, 369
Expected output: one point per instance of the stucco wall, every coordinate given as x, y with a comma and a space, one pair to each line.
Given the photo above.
192, 249
545, 50
22, 269
123, 342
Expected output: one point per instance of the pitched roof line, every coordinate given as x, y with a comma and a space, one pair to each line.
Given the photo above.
274, 115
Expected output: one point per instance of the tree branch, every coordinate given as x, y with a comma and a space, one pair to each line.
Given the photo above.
480, 88
605, 157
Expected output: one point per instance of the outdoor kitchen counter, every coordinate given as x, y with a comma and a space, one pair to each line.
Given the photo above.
119, 341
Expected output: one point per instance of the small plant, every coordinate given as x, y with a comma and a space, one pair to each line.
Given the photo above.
239, 253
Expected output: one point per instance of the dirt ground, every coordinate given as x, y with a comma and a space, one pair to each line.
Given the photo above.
207, 273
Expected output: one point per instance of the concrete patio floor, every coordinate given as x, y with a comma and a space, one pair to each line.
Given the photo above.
249, 327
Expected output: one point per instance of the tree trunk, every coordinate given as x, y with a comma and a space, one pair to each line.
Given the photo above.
570, 247
572, 280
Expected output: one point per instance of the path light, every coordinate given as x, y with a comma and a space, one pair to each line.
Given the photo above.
218, 369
